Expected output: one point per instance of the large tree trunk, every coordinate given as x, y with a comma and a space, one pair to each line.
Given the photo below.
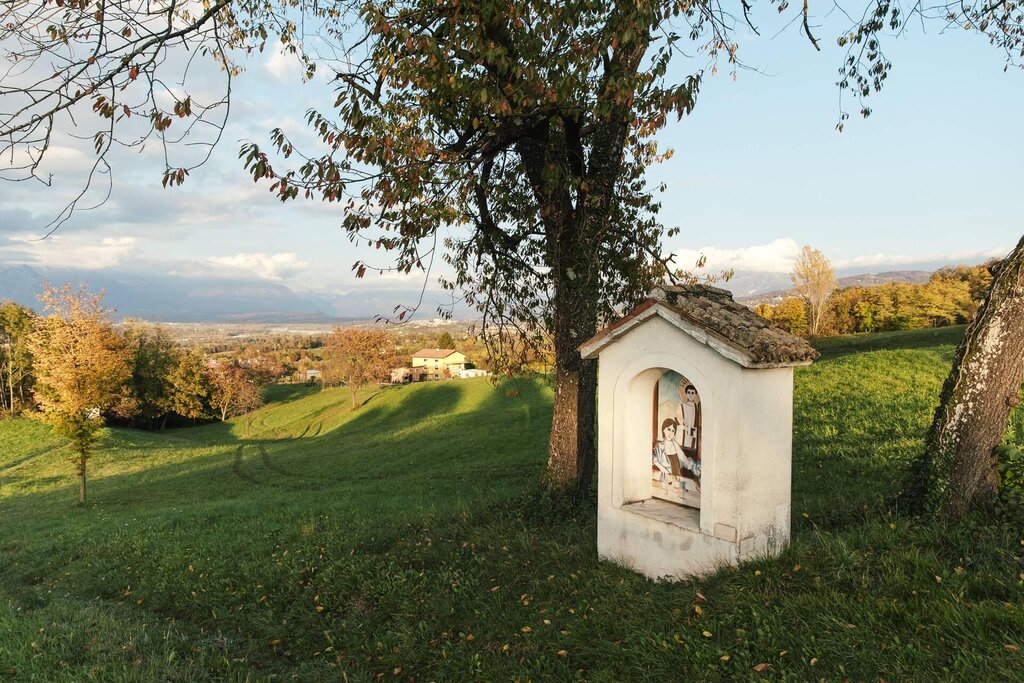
572, 448
574, 232
959, 469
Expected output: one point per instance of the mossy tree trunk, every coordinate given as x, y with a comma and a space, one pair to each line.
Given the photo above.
959, 469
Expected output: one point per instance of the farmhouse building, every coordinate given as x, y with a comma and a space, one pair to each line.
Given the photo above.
439, 363
408, 375
468, 373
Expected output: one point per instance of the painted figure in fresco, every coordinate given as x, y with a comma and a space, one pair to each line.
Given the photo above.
676, 453
688, 416
666, 451
669, 461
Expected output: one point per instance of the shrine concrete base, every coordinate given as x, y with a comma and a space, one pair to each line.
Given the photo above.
663, 541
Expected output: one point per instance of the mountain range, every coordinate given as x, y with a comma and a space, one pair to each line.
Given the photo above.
774, 296
169, 298
175, 298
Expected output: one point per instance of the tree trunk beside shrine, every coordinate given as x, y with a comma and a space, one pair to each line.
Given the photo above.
959, 470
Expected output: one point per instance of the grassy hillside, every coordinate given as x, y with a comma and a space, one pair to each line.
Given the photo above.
409, 541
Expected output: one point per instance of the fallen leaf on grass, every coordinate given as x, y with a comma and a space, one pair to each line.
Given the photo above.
562, 653
708, 634
761, 668
526, 629
1010, 647
725, 658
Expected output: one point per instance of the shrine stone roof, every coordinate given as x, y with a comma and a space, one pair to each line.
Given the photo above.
709, 315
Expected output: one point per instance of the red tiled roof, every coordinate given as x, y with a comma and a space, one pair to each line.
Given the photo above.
434, 353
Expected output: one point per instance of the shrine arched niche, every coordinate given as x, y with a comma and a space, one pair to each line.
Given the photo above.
676, 436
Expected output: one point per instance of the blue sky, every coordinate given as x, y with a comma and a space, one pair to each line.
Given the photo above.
759, 170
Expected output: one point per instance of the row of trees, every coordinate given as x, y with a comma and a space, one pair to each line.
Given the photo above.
15, 357
950, 297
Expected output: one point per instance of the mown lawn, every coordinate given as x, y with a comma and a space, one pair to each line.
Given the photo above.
409, 540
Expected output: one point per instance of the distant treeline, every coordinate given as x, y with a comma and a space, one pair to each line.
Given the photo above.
950, 297
168, 383
164, 385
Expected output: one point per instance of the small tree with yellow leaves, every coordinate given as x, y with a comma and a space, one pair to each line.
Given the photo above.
82, 369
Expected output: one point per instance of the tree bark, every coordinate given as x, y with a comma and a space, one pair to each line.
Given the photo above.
572, 449
81, 478
959, 469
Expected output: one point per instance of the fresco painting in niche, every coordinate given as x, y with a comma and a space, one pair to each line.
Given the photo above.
676, 456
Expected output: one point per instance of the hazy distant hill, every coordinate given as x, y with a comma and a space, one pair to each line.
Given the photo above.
170, 298
174, 298
914, 277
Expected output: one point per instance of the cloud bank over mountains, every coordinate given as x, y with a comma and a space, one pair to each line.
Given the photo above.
266, 266
766, 267
174, 297
258, 286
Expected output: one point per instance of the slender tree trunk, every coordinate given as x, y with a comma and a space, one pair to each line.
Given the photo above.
959, 469
81, 478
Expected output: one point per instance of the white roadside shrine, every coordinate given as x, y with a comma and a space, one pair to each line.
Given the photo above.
695, 433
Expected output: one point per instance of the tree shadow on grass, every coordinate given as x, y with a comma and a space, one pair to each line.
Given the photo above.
420, 444
285, 393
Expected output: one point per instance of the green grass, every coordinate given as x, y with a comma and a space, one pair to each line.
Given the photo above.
410, 540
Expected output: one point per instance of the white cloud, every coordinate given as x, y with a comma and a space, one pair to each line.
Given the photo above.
774, 257
777, 257
283, 66
266, 266
75, 250
58, 159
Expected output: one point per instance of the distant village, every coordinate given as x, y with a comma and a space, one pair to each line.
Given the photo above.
426, 365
